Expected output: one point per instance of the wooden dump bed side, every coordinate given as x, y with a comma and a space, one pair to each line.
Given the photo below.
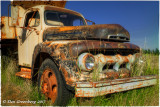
7, 32
27, 4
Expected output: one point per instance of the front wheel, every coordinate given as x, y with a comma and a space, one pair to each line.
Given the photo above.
51, 84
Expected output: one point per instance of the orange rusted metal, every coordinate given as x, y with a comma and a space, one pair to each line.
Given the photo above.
49, 84
112, 74
28, 4
66, 53
88, 32
67, 76
25, 69
93, 23
66, 29
111, 57
24, 74
93, 89
7, 32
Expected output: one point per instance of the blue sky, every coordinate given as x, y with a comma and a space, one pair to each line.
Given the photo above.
140, 18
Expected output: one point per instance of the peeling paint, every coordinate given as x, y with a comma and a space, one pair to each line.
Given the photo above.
87, 89
70, 46
63, 52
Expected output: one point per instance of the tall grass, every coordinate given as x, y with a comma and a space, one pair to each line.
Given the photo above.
15, 88
148, 64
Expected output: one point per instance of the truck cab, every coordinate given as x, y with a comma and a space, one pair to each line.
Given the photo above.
36, 21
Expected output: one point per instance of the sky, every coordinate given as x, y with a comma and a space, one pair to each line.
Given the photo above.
140, 18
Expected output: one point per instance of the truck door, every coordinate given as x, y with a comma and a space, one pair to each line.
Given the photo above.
29, 38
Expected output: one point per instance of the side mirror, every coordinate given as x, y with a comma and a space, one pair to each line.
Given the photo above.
93, 23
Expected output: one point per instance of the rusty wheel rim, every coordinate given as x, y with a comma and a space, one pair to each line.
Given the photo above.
48, 84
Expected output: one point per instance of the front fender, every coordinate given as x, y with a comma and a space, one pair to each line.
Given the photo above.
60, 55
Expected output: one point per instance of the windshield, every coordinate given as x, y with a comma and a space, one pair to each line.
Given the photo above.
54, 18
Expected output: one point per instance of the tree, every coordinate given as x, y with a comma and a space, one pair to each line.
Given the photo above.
157, 51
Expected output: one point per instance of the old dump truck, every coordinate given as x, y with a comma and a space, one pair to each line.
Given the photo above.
66, 56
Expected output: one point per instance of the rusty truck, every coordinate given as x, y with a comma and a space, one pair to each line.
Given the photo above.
64, 56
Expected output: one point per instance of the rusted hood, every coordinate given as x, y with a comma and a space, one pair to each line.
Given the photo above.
74, 47
90, 32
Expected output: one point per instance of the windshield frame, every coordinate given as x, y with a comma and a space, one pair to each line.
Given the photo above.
45, 17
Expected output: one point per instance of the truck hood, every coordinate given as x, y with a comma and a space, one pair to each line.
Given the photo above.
73, 48
113, 32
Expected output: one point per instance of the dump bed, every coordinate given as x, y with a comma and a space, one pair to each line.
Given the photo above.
27, 4
7, 32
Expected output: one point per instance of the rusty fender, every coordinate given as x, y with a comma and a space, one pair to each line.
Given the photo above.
59, 51
65, 54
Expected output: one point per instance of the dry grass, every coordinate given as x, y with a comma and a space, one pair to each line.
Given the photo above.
148, 64
15, 88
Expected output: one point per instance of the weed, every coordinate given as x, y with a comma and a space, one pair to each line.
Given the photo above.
18, 89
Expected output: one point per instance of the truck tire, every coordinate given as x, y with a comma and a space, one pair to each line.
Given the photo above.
51, 84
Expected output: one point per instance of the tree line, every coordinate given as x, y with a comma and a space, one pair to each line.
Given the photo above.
149, 51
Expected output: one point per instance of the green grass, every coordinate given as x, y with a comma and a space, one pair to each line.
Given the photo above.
15, 88
139, 97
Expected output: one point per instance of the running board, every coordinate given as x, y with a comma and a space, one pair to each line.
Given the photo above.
24, 73
93, 89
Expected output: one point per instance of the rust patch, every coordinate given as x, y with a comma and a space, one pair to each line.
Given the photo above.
124, 73
112, 75
85, 46
3, 35
28, 4
100, 32
26, 69
7, 32
66, 29
67, 76
24, 74
66, 53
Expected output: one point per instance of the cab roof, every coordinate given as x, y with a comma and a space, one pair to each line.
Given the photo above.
55, 8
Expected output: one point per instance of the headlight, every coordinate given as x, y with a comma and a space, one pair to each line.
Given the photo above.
86, 61
89, 62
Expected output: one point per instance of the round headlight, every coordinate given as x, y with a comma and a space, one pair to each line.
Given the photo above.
89, 63
86, 61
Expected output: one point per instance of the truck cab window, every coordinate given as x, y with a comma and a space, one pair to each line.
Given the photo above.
54, 18
32, 19
77, 22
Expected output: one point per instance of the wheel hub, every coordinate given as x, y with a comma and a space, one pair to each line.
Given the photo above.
49, 84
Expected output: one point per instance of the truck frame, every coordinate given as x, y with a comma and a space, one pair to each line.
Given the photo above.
65, 56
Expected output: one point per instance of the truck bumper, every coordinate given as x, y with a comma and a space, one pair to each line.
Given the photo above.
93, 89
